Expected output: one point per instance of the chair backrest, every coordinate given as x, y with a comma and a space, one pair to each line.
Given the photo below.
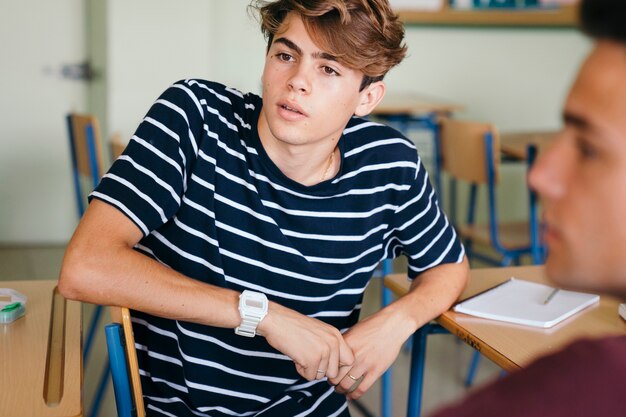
123, 362
117, 146
86, 153
463, 150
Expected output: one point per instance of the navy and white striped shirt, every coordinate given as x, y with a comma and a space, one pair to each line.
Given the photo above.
213, 206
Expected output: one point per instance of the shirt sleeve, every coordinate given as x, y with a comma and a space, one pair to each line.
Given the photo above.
421, 230
148, 180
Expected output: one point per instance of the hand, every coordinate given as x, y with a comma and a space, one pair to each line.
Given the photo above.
375, 342
315, 347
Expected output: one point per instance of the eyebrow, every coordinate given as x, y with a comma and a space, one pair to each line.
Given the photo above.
318, 55
577, 121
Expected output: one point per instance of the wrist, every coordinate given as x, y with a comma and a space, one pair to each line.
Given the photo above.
266, 325
253, 307
402, 318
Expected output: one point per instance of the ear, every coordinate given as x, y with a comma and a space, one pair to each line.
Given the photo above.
370, 97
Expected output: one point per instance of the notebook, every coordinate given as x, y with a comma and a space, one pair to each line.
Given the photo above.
523, 302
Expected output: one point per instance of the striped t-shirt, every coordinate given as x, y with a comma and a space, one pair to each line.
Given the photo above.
212, 205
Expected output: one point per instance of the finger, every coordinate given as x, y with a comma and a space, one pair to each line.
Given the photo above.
341, 374
322, 369
346, 357
332, 366
360, 388
352, 379
322, 365
301, 370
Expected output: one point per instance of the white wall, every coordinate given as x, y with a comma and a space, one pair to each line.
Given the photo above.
515, 77
36, 39
151, 44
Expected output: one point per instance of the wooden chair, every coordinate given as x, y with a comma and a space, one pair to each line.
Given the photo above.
124, 367
86, 154
471, 154
87, 168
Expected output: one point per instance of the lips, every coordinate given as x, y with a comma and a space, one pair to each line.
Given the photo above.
293, 108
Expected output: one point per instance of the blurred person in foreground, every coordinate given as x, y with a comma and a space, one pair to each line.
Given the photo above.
582, 182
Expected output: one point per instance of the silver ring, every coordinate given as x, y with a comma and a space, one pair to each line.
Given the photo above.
319, 371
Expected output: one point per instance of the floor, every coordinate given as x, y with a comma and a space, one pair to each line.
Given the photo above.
447, 358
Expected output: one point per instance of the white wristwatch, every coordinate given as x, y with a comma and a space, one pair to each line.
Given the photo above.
252, 308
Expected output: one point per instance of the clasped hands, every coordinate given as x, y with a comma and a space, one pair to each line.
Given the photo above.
352, 361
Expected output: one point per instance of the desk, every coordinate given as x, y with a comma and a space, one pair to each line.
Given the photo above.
515, 144
514, 346
41, 355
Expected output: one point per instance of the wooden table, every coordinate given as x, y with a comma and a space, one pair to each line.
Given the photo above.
513, 346
514, 144
41, 355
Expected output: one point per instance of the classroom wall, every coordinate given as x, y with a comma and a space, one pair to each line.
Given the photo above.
37, 39
151, 44
515, 77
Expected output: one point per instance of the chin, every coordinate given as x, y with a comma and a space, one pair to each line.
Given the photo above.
561, 271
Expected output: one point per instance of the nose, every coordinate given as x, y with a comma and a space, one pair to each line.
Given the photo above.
548, 175
300, 80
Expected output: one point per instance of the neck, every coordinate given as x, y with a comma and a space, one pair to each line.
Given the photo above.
305, 164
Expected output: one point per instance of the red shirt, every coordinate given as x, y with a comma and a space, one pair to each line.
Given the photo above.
586, 379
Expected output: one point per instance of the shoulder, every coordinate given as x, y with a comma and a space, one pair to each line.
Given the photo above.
215, 95
377, 141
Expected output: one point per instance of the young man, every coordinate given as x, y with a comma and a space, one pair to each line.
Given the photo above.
224, 199
582, 181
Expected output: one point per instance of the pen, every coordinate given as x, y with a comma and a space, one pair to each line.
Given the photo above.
551, 296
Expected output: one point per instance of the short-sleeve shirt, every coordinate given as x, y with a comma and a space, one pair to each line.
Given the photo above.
212, 205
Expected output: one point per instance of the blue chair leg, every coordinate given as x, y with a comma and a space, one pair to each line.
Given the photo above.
101, 390
416, 382
119, 370
104, 378
471, 373
386, 381
91, 331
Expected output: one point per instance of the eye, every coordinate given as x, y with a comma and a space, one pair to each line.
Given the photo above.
586, 149
283, 56
329, 70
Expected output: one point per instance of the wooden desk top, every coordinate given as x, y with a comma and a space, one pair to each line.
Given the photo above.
514, 144
513, 346
414, 104
41, 370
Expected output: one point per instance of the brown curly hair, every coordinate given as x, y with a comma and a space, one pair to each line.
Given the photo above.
365, 35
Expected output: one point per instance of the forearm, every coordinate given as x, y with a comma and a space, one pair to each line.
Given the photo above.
100, 266
430, 295
122, 276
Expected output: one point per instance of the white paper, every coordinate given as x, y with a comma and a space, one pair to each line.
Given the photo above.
522, 302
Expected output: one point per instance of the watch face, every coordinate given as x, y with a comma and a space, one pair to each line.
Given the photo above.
254, 303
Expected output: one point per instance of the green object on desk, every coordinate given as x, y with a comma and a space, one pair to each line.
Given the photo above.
11, 306
12, 312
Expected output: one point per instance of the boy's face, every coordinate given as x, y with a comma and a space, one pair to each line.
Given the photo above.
582, 179
308, 97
